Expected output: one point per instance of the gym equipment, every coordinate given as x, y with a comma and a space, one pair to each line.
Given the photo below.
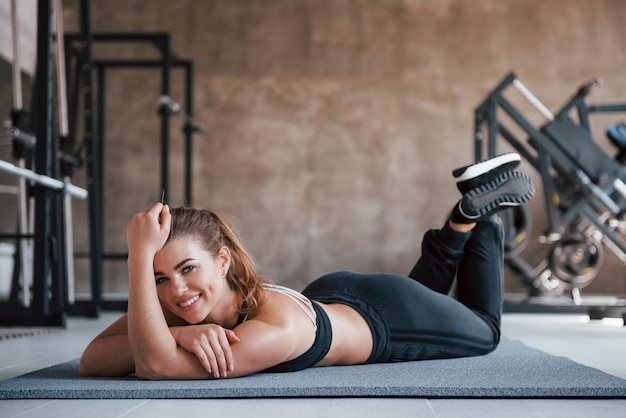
46, 190
79, 57
516, 223
50, 182
40, 210
583, 185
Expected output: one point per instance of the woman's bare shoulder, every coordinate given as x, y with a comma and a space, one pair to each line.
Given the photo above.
280, 310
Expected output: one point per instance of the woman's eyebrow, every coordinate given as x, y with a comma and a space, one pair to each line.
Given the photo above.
176, 267
179, 265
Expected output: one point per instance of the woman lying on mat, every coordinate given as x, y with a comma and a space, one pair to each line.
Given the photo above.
197, 308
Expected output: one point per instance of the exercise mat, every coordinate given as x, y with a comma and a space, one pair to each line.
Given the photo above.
514, 370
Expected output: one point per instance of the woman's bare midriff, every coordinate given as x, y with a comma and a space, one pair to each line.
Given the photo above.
352, 338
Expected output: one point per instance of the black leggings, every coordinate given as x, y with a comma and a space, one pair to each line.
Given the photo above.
413, 318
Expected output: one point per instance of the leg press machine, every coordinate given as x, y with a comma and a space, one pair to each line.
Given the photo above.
583, 184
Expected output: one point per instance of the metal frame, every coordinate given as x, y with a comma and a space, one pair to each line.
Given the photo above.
600, 196
96, 145
49, 269
56, 158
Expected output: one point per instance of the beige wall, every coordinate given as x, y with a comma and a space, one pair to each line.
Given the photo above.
332, 126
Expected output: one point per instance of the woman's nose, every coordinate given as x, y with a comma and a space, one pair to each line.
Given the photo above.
179, 286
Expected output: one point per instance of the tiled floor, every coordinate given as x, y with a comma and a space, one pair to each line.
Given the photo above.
600, 344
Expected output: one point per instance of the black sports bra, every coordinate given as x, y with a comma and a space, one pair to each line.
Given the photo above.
323, 334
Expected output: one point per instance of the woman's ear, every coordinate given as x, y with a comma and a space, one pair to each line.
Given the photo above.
224, 258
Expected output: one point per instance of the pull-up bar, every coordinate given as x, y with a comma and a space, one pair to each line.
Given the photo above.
49, 182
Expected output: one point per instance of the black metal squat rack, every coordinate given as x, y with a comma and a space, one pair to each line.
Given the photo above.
48, 156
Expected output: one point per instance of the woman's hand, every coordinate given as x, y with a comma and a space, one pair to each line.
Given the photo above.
210, 343
147, 232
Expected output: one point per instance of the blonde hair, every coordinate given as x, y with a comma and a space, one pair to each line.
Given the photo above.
214, 233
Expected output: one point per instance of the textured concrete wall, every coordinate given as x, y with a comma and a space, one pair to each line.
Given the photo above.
332, 126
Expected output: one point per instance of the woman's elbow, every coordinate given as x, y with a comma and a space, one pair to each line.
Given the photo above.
83, 367
90, 365
147, 373
87, 367
153, 369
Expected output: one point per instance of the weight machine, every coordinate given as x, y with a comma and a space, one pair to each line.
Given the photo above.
43, 199
166, 108
56, 155
583, 185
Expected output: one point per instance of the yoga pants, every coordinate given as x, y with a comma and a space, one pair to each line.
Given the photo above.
413, 317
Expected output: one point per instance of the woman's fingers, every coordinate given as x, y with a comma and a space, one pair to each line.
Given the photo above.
226, 363
203, 358
156, 208
148, 231
232, 337
215, 355
223, 354
164, 215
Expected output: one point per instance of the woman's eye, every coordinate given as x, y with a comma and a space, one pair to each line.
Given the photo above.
187, 269
160, 280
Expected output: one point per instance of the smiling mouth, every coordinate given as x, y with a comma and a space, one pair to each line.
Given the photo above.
189, 302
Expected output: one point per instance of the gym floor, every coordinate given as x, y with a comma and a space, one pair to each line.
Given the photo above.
599, 344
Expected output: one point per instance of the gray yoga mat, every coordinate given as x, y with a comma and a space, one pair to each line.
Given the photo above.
514, 370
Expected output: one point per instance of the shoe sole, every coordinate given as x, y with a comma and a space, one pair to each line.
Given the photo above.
477, 169
509, 189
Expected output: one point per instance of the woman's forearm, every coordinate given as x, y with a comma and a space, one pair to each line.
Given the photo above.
108, 356
152, 345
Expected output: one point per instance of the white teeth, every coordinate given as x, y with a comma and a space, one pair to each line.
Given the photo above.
189, 302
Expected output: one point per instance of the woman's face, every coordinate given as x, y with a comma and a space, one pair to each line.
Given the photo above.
190, 281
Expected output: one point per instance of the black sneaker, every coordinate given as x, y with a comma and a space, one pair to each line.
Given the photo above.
508, 189
474, 175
